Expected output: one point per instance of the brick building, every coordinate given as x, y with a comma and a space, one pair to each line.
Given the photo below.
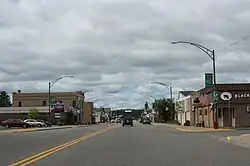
70, 99
233, 108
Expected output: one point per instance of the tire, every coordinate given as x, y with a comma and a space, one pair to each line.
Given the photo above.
25, 126
131, 125
39, 125
7, 126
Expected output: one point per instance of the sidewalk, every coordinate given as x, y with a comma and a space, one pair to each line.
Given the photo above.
242, 140
190, 128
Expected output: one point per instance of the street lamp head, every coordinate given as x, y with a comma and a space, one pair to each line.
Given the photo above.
173, 42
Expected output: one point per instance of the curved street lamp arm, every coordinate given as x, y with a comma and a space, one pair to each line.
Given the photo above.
57, 79
169, 87
54, 81
202, 48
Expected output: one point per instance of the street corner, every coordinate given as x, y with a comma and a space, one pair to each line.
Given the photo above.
197, 130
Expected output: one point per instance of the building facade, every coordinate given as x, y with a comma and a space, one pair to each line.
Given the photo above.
233, 106
184, 107
69, 99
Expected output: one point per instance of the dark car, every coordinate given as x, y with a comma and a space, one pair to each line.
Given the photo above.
146, 120
15, 123
127, 120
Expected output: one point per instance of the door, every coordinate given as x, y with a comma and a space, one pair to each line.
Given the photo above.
233, 117
227, 120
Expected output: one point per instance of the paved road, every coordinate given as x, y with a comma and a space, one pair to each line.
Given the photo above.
123, 146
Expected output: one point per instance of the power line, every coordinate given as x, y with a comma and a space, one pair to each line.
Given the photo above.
234, 43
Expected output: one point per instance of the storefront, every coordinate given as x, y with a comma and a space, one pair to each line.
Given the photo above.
234, 105
233, 108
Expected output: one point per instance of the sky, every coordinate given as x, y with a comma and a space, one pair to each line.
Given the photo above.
116, 48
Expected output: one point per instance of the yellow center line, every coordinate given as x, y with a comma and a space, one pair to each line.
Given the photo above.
48, 152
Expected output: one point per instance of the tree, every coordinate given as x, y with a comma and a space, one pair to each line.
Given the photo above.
165, 108
33, 114
4, 99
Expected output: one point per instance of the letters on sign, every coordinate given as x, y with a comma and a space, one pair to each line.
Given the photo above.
242, 95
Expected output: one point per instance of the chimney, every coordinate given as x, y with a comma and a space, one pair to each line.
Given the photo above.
19, 91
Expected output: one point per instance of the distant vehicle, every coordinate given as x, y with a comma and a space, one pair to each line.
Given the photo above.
15, 123
112, 121
118, 120
127, 120
146, 120
35, 123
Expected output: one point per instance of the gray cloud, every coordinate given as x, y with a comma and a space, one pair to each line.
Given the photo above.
116, 46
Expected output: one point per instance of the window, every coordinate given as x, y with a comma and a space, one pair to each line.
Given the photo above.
205, 111
44, 103
219, 112
19, 104
74, 103
200, 112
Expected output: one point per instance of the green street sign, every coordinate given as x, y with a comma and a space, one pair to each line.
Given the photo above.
52, 99
208, 80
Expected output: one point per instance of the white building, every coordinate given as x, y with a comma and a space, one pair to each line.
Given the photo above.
184, 107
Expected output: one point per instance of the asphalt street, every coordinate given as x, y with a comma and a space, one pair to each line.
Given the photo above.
141, 145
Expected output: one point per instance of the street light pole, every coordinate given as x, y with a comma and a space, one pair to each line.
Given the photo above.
211, 54
169, 87
171, 96
51, 83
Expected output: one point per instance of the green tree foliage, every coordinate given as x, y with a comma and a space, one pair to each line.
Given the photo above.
33, 114
4, 99
165, 108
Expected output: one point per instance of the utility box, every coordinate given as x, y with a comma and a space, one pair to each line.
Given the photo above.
87, 112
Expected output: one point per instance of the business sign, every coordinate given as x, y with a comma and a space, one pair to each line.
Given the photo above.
242, 95
57, 115
226, 96
208, 80
58, 107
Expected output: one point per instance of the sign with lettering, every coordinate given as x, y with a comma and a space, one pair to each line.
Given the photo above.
58, 107
242, 95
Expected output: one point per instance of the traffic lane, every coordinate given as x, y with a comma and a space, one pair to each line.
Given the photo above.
16, 146
147, 146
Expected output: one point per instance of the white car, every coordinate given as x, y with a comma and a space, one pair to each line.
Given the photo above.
34, 123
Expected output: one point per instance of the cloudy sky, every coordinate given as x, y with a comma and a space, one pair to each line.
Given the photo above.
117, 47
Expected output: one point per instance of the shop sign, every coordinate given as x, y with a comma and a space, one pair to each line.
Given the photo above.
242, 95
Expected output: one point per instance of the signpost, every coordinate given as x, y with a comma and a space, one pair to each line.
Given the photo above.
208, 80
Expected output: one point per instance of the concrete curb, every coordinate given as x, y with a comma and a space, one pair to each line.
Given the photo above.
197, 131
35, 130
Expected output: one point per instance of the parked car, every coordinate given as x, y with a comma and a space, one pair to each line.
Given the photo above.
118, 120
146, 120
15, 123
35, 123
47, 124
